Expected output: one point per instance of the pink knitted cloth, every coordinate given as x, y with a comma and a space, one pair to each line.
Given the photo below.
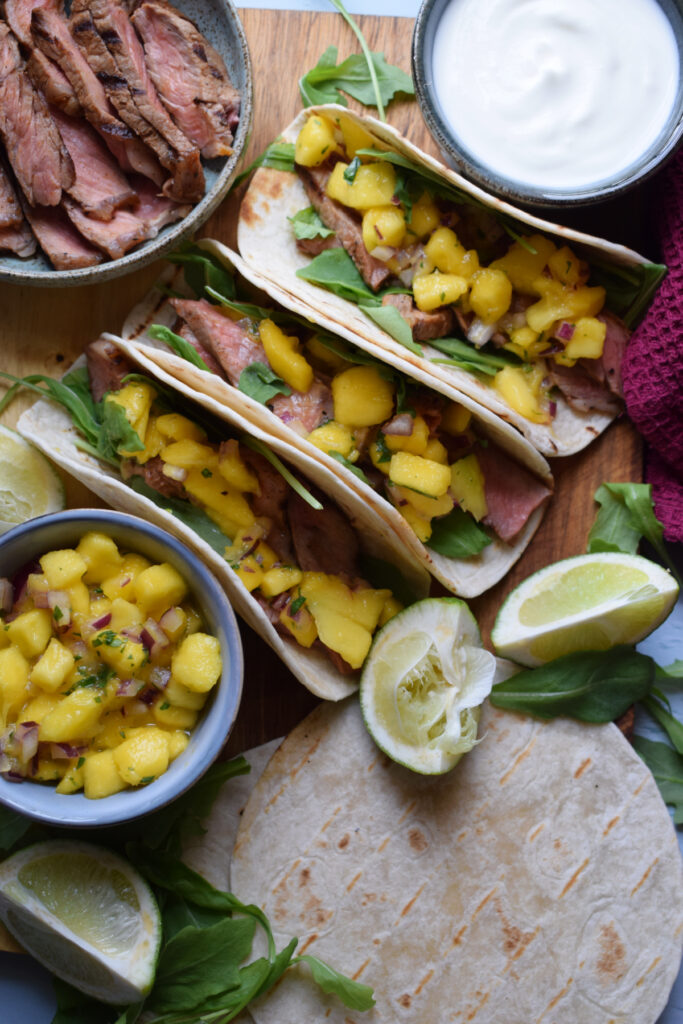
653, 364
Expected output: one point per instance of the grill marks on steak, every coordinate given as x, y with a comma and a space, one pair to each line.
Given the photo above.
18, 14
512, 492
107, 368
345, 223
10, 210
106, 36
53, 83
59, 239
34, 146
424, 326
190, 77
324, 540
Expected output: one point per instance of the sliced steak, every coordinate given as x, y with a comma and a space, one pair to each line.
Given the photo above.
424, 326
10, 210
51, 34
303, 411
271, 503
99, 186
152, 472
108, 40
60, 241
581, 390
324, 540
18, 15
314, 246
617, 338
19, 239
231, 341
345, 223
107, 368
190, 77
512, 492
53, 83
34, 146
207, 356
154, 210
114, 237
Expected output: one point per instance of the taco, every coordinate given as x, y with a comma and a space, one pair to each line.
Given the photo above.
307, 565
463, 490
541, 882
527, 318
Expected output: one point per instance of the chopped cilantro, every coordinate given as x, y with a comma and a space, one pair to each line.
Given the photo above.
147, 778
110, 639
206, 472
80, 762
57, 613
165, 706
296, 604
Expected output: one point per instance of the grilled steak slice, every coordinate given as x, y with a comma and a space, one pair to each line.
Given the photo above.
230, 341
303, 411
512, 492
10, 210
99, 186
608, 367
271, 502
190, 77
207, 356
59, 240
581, 390
154, 210
152, 472
107, 368
108, 40
18, 15
53, 83
51, 34
324, 540
18, 238
345, 223
424, 326
34, 146
115, 236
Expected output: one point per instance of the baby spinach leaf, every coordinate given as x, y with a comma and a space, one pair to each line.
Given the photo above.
116, 433
203, 269
352, 993
179, 345
625, 516
350, 466
368, 78
667, 767
335, 270
261, 383
390, 320
457, 535
308, 223
593, 686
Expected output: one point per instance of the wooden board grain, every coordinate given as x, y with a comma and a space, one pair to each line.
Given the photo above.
43, 330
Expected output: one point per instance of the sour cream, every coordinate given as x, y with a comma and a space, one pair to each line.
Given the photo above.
556, 94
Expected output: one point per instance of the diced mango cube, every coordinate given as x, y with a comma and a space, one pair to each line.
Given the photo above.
76, 717
31, 631
424, 217
419, 524
560, 303
300, 624
119, 585
177, 742
390, 608
63, 568
234, 470
435, 451
79, 600
415, 442
101, 556
315, 142
215, 494
170, 716
178, 695
153, 441
190, 454
362, 397
521, 389
125, 614
449, 255
342, 635
334, 437
380, 454
456, 419
141, 758
567, 267
197, 663
275, 581
175, 427
423, 475
467, 486
53, 666
588, 339
14, 684
284, 357
355, 135
125, 656
373, 185
249, 572
159, 587
434, 290
40, 706
136, 399
525, 261
427, 507
71, 781
383, 225
101, 776
491, 294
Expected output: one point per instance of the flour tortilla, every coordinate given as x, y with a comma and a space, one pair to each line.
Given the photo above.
540, 881
465, 577
51, 429
266, 242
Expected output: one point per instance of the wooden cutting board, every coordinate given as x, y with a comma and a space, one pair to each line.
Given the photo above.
43, 330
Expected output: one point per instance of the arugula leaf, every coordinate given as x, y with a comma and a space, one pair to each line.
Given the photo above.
593, 686
276, 463
309, 224
629, 289
352, 993
626, 514
116, 433
457, 535
352, 170
667, 767
391, 321
367, 78
356, 470
468, 357
179, 345
335, 270
261, 383
278, 155
203, 270
192, 516
669, 723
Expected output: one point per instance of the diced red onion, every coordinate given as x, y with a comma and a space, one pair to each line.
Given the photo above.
399, 426
148, 697
103, 621
159, 677
26, 741
406, 276
564, 331
479, 332
40, 599
173, 619
137, 707
6, 595
129, 687
174, 472
132, 634
153, 637
64, 751
13, 776
552, 408
79, 649
383, 252
60, 599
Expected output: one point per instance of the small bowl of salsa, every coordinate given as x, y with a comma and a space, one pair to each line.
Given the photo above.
120, 668
551, 102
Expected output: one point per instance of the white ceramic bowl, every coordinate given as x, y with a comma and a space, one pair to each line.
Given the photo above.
218, 21
25, 544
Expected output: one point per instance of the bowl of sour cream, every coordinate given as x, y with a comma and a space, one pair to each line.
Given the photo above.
551, 102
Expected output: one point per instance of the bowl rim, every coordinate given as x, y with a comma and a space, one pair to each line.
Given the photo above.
74, 810
155, 248
511, 189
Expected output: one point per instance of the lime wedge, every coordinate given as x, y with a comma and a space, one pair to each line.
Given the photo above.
86, 914
422, 684
29, 484
586, 603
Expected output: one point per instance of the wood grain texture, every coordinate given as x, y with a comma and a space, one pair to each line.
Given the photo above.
43, 330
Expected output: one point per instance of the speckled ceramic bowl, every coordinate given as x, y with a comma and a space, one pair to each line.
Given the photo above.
219, 22
64, 529
459, 157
